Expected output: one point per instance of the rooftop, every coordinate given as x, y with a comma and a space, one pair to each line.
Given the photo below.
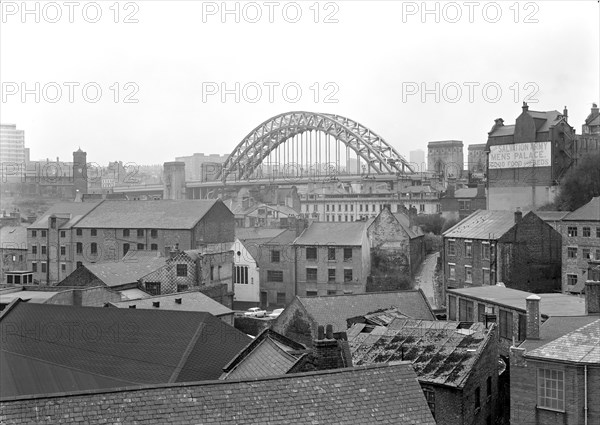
164, 214
336, 309
13, 237
188, 301
588, 212
468, 192
550, 304
555, 327
351, 233
74, 211
579, 346
54, 348
483, 224
244, 233
441, 352
31, 296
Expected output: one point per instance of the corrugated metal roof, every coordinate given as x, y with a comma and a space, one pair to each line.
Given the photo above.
164, 214
351, 233
483, 224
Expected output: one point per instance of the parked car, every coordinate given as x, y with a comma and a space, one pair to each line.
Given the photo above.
255, 312
275, 313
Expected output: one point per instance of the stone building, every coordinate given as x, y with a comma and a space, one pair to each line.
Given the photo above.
580, 231
13, 250
588, 143
521, 251
462, 202
446, 158
477, 159
527, 159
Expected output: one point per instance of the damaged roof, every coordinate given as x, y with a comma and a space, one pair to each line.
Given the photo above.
441, 352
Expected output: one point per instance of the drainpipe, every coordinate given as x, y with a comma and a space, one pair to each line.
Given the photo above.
585, 397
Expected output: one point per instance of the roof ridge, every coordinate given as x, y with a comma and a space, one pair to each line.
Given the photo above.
186, 353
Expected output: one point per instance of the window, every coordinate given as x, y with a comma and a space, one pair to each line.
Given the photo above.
347, 254
352, 208
182, 270
311, 293
79, 232
586, 253
506, 324
485, 250
451, 271
34, 267
597, 257
551, 389
43, 233
481, 313
153, 288
140, 233
347, 275
43, 249
311, 253
346, 207
125, 233
571, 252
598, 232
486, 276
465, 310
34, 233
274, 276
125, 248
63, 250
468, 249
451, 247
522, 328
43, 267
430, 397
572, 279
339, 207
451, 307
281, 298
331, 292
327, 208
477, 399
94, 232
79, 264
153, 233
489, 389
468, 274
94, 248
464, 205
275, 256
331, 275
311, 274
34, 249
154, 247
63, 234
587, 232
331, 254
63, 267
572, 231
140, 246
240, 275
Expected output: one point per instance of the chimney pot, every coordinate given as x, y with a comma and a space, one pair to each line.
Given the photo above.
320, 332
156, 304
525, 107
533, 316
329, 332
518, 216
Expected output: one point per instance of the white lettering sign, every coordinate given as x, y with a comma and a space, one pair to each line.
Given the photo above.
520, 155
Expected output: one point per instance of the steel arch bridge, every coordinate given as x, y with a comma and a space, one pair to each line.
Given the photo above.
301, 129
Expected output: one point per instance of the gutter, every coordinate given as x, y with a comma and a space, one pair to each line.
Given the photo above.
585, 395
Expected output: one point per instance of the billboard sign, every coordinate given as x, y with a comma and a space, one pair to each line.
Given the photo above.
520, 155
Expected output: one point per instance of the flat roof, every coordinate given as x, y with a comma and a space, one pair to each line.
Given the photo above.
32, 296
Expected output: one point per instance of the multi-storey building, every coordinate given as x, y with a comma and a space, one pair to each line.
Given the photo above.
13, 250
332, 258
446, 158
202, 167
477, 159
580, 231
417, 160
460, 203
78, 233
588, 143
12, 150
521, 251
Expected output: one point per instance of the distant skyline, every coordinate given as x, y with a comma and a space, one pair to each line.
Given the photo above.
370, 61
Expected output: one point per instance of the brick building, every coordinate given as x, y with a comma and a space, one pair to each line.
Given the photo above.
527, 160
555, 373
332, 258
588, 143
13, 250
76, 233
520, 250
456, 364
462, 202
446, 158
580, 231
477, 159
276, 260
397, 250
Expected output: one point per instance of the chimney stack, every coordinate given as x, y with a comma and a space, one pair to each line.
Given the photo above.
525, 107
328, 352
518, 215
592, 297
566, 113
533, 316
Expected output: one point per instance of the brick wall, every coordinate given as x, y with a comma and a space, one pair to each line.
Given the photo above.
577, 266
217, 226
296, 324
286, 265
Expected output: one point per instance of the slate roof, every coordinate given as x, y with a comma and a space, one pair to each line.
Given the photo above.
467, 192
269, 354
441, 352
579, 346
244, 233
555, 327
190, 301
543, 121
336, 309
550, 304
588, 212
13, 237
126, 345
405, 223
379, 394
116, 273
75, 211
351, 233
164, 214
483, 224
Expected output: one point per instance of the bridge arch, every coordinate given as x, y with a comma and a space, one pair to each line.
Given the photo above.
378, 156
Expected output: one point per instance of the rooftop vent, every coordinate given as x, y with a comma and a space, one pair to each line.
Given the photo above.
177, 300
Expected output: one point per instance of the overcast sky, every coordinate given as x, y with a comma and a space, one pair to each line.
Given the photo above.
374, 61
